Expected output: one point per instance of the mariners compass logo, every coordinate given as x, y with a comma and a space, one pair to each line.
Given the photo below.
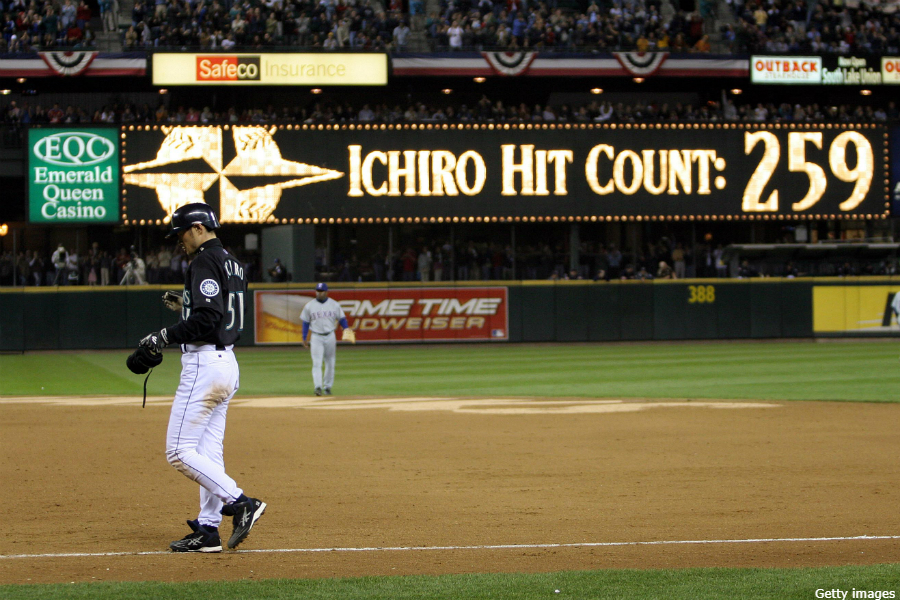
257, 155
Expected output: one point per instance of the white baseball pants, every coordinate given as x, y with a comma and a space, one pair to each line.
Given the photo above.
194, 440
322, 349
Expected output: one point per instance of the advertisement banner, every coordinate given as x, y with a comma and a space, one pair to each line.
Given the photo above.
854, 309
785, 69
506, 172
224, 69
890, 70
73, 175
392, 314
824, 70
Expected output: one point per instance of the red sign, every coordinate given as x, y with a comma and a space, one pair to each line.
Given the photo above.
890, 69
393, 314
227, 68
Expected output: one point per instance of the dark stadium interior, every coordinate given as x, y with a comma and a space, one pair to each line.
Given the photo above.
578, 30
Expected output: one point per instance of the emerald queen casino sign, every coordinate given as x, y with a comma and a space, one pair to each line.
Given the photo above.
73, 176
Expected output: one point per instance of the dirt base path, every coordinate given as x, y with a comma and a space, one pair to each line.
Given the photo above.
381, 486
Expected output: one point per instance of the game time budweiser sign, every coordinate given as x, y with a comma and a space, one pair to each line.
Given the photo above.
392, 314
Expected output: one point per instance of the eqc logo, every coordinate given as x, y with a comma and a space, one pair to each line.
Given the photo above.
227, 68
74, 149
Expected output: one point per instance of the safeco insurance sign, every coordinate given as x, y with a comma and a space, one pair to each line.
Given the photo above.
73, 176
220, 69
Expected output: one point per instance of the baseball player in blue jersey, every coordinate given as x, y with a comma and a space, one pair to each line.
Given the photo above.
212, 317
320, 318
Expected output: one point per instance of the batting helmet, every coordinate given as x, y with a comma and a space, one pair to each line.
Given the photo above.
186, 216
322, 287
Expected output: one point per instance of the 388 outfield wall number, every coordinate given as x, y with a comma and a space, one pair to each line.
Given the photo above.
504, 172
701, 294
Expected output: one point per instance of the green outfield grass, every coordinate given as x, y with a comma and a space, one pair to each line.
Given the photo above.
685, 584
852, 371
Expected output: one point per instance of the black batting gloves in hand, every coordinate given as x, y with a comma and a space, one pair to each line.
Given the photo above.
155, 342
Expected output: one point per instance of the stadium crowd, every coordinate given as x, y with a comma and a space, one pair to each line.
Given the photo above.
795, 27
601, 26
435, 261
483, 111
42, 25
779, 26
328, 24
65, 266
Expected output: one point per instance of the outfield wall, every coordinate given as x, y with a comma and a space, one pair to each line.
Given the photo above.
568, 311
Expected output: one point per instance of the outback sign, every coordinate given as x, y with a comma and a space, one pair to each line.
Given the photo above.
73, 176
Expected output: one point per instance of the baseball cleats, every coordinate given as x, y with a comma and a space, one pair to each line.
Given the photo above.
203, 539
318, 391
246, 513
327, 391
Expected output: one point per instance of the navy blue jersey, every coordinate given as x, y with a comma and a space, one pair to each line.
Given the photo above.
214, 299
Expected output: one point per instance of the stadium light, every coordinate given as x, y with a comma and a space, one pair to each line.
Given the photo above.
638, 80
163, 91
737, 92
4, 229
5, 92
447, 91
21, 80
479, 80
596, 91
865, 92
315, 91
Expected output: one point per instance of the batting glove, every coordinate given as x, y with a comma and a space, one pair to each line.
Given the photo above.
155, 342
173, 301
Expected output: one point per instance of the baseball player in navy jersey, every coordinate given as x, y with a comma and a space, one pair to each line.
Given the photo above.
212, 317
320, 318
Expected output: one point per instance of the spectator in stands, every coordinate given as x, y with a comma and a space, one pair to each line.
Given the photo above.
277, 272
678, 259
641, 274
82, 15
59, 259
91, 268
702, 45
401, 36
56, 114
131, 38
423, 263
71, 268
36, 269
109, 15
664, 271
7, 266
105, 267
454, 36
746, 270
719, 261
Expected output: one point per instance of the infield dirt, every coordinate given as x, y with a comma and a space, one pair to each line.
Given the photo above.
366, 477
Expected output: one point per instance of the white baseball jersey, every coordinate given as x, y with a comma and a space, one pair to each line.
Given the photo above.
212, 318
322, 317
